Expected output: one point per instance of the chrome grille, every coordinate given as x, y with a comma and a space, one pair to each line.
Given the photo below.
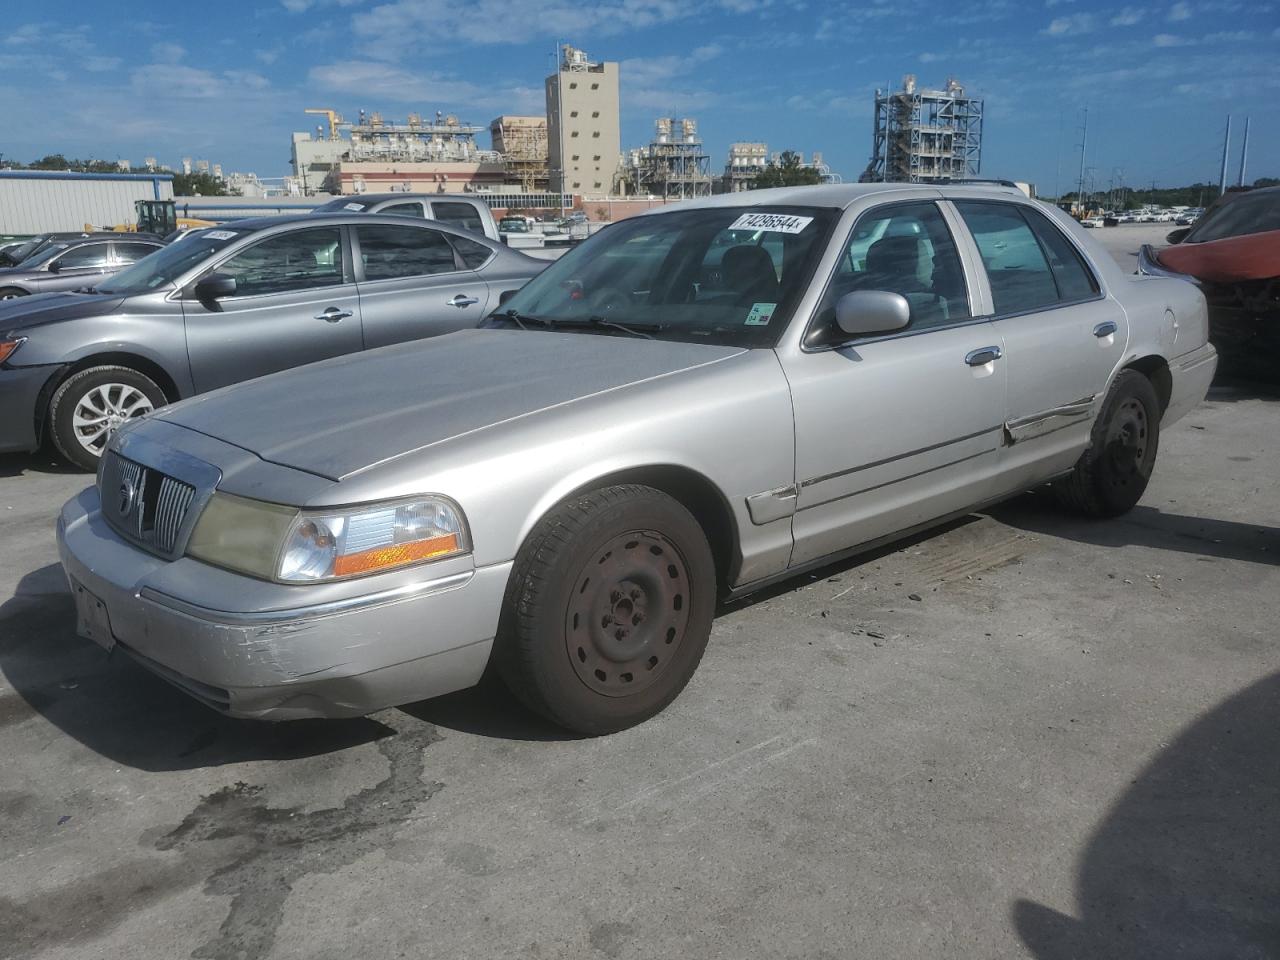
144, 504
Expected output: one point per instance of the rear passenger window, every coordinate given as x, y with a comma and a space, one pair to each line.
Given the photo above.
457, 215
413, 209
1020, 276
1074, 279
389, 251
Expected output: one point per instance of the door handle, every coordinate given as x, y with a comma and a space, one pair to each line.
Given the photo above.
982, 356
1105, 329
333, 314
462, 300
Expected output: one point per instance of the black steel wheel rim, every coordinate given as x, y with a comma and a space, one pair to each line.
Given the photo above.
628, 613
1127, 440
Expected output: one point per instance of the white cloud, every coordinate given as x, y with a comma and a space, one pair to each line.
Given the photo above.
167, 52
101, 64
1169, 40
1180, 11
1072, 25
388, 83
930, 57
1128, 16
667, 83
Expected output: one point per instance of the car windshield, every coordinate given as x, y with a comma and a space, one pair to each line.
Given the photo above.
43, 255
513, 226
23, 250
1248, 213
343, 204
726, 275
165, 266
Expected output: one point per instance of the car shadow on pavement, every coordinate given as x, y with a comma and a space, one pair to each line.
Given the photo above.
1146, 527
1187, 862
18, 464
119, 710
1234, 389
488, 709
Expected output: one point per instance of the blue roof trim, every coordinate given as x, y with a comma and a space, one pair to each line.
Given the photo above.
76, 175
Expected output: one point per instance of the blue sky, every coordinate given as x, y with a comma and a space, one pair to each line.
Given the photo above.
228, 81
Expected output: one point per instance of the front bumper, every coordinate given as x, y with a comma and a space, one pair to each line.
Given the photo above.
337, 659
19, 393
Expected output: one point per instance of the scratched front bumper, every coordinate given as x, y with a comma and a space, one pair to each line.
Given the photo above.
294, 662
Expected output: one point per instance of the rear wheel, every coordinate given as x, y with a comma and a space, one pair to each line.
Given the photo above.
1112, 474
89, 405
608, 610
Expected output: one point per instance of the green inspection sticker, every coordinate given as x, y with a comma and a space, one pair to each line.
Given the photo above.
760, 314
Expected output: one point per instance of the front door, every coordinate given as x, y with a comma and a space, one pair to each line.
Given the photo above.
294, 303
84, 265
896, 430
414, 285
1062, 337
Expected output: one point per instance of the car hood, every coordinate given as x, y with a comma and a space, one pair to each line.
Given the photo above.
24, 313
340, 416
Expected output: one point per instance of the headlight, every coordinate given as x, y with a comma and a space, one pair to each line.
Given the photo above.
282, 543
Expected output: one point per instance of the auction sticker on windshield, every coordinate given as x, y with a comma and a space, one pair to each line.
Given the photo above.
760, 314
220, 235
771, 222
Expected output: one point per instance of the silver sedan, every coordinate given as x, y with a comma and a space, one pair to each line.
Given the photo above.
694, 404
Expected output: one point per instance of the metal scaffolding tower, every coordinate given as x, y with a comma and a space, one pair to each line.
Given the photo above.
925, 136
675, 165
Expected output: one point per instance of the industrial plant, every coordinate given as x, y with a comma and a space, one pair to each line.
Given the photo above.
925, 136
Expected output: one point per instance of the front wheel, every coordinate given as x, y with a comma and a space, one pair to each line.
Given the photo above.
89, 405
1112, 475
11, 293
608, 610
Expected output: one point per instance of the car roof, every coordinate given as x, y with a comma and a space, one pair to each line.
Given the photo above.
314, 217
842, 195
402, 195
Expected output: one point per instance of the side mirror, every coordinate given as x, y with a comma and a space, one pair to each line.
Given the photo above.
1177, 236
55, 266
214, 287
872, 311
506, 295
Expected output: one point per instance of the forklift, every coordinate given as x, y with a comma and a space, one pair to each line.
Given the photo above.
159, 217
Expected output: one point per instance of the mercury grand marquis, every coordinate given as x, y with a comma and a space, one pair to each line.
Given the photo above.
695, 403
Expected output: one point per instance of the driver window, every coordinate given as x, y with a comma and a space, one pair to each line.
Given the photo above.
907, 249
299, 260
87, 256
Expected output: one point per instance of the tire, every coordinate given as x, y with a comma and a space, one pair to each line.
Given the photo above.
1112, 474
608, 609
90, 404
11, 293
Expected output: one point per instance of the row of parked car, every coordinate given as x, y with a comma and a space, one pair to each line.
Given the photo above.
129, 323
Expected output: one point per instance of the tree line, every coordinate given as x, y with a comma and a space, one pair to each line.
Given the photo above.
197, 183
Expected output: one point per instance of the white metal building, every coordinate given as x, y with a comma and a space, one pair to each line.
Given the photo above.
39, 201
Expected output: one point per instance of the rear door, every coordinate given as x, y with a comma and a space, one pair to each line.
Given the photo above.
413, 284
295, 303
81, 266
1062, 337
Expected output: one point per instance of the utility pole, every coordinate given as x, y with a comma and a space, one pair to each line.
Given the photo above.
1244, 153
1226, 142
1084, 142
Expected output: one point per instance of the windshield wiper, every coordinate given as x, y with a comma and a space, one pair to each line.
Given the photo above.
521, 319
646, 330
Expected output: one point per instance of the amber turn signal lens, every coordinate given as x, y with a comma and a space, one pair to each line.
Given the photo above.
7, 347
396, 555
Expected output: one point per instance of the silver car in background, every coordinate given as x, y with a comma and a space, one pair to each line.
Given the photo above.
72, 264
694, 404
230, 303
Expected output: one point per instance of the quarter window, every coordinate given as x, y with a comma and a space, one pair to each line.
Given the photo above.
473, 254
390, 251
907, 249
462, 215
300, 260
1075, 280
1021, 279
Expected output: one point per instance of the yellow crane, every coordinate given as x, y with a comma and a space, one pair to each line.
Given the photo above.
332, 116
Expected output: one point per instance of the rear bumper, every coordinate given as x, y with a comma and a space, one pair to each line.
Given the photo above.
1191, 374
19, 393
333, 660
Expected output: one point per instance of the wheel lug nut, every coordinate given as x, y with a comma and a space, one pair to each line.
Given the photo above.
606, 620
635, 594
635, 621
615, 596
620, 634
